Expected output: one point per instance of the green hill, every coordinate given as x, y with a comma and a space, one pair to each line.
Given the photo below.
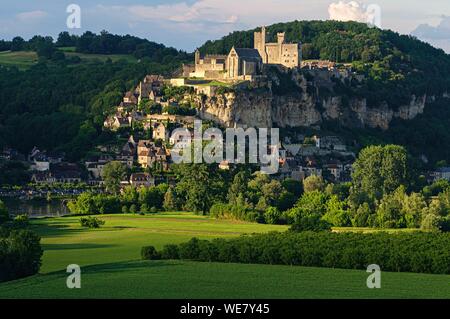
396, 65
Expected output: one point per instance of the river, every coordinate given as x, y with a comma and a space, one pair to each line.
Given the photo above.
36, 208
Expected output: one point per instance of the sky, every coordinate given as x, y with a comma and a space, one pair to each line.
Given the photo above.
187, 24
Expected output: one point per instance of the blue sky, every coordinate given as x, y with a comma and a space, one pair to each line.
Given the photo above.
187, 24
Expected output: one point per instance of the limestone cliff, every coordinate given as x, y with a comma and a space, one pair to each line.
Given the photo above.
261, 108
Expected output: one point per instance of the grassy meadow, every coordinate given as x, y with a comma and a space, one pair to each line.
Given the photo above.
25, 59
111, 265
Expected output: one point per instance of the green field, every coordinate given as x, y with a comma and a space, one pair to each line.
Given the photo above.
21, 59
25, 59
111, 267
65, 242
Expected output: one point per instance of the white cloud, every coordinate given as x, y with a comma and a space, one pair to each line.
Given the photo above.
438, 35
31, 15
347, 11
355, 11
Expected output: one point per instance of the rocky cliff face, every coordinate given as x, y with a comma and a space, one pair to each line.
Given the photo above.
261, 108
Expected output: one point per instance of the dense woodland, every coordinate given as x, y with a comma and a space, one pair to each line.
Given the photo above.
60, 104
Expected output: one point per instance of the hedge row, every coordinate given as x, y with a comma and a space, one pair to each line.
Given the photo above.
418, 252
228, 211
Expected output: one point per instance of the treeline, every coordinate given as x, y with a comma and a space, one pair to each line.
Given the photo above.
103, 43
400, 252
131, 200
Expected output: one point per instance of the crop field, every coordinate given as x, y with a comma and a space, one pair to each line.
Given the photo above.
111, 267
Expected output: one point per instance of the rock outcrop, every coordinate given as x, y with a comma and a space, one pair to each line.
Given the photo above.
260, 108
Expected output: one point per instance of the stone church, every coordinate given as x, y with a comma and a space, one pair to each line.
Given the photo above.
246, 63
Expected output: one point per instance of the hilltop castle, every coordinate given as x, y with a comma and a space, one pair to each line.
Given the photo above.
245, 63
286, 54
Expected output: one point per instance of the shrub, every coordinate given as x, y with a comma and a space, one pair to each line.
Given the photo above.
190, 250
272, 215
133, 209
310, 223
430, 222
170, 252
150, 253
21, 221
237, 212
91, 222
20, 254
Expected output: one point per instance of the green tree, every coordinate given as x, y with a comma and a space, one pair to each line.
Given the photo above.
272, 215
311, 203
390, 212
380, 170
364, 217
293, 186
200, 185
313, 183
113, 173
170, 203
238, 187
413, 207
337, 213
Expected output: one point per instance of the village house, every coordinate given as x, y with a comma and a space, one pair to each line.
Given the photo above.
129, 99
95, 170
335, 170
142, 180
58, 173
150, 154
150, 88
160, 132
224, 165
290, 169
333, 143
117, 122
440, 173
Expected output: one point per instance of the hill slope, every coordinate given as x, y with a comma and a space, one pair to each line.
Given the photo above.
397, 66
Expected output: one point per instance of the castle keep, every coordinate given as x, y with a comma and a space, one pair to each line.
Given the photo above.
286, 54
246, 63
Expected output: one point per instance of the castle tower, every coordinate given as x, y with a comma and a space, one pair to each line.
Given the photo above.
281, 37
260, 43
197, 57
